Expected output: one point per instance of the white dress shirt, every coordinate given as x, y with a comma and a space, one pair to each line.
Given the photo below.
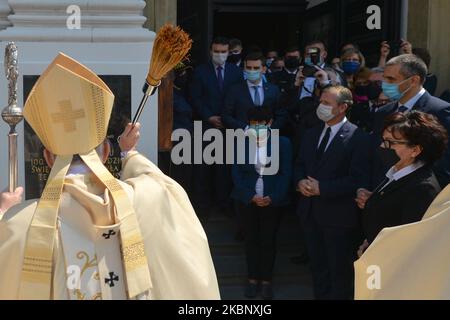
394, 175
334, 130
412, 102
291, 72
251, 88
260, 163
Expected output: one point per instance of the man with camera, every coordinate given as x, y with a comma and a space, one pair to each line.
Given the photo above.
315, 56
303, 98
316, 72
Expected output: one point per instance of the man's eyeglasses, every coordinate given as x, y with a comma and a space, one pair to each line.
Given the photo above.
389, 143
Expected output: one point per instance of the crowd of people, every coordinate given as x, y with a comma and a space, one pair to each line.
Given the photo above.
361, 148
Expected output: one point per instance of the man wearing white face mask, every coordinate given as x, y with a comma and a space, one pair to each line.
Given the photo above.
209, 87
333, 161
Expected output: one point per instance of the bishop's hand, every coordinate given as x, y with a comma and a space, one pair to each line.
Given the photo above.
129, 139
10, 199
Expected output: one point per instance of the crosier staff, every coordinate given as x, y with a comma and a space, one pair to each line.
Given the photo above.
12, 114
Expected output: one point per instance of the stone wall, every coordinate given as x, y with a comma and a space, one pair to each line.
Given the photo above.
428, 27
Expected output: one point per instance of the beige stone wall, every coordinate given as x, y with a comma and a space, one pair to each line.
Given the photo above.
428, 26
417, 29
439, 41
159, 12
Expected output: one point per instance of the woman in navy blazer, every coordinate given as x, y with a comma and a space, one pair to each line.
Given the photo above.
259, 197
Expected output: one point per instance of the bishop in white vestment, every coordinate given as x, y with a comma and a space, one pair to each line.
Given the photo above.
90, 236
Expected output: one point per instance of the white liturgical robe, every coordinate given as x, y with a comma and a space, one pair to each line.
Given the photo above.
87, 258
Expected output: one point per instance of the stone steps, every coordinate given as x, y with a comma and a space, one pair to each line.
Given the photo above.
232, 270
291, 282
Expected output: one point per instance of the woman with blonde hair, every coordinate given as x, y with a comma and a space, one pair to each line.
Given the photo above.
352, 62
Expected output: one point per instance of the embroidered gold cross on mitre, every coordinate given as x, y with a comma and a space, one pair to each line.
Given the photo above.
68, 116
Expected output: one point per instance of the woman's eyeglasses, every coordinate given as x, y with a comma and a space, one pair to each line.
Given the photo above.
389, 143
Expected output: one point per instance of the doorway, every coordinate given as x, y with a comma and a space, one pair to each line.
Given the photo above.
267, 31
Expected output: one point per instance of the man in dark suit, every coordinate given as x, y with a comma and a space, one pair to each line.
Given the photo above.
209, 87
332, 163
315, 61
404, 77
285, 78
251, 93
235, 56
302, 99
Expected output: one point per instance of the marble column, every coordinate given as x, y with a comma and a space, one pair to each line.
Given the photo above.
160, 12
111, 40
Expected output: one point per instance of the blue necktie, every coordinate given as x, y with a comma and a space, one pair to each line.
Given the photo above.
220, 77
402, 109
257, 100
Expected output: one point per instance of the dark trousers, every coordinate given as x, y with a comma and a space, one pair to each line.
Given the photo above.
332, 251
213, 184
261, 226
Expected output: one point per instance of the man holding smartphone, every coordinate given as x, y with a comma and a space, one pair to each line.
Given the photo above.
316, 69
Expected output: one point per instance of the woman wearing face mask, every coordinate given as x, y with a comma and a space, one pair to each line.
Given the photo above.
352, 61
365, 96
260, 195
412, 143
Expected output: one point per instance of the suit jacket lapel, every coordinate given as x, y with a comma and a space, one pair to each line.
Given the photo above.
269, 151
340, 136
213, 76
249, 155
315, 143
247, 94
266, 93
226, 75
422, 103
399, 183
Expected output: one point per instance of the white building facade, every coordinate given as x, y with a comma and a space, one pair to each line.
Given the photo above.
106, 36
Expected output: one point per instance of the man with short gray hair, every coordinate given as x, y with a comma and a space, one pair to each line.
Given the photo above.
332, 163
404, 77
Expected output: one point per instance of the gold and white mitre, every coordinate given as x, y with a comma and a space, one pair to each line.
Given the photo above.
69, 109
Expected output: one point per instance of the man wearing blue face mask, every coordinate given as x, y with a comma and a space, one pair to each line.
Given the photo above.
404, 77
252, 92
